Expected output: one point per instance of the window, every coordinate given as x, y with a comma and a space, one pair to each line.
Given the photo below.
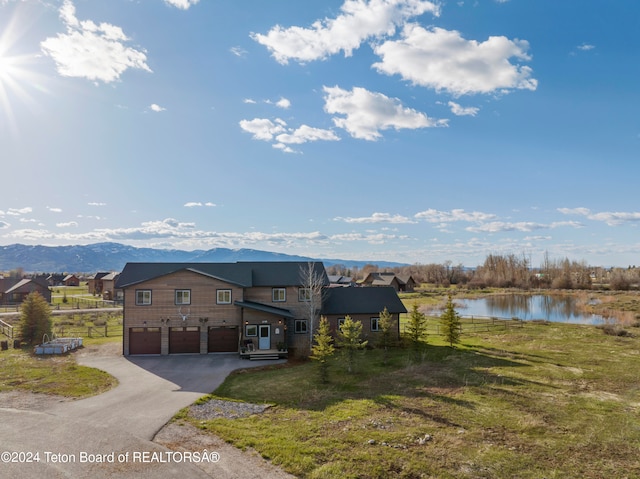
278, 295
304, 294
183, 296
223, 296
251, 330
301, 326
143, 297
375, 324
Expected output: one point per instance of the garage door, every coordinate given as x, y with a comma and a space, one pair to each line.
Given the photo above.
184, 340
223, 340
144, 340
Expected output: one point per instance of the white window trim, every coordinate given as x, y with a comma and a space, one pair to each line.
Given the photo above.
143, 303
304, 295
377, 321
182, 293
252, 326
278, 300
223, 291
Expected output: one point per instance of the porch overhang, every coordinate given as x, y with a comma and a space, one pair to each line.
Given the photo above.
281, 312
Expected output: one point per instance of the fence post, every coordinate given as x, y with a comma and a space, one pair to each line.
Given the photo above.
105, 331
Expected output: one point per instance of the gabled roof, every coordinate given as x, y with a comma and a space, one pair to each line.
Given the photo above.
362, 301
26, 286
110, 277
244, 274
380, 279
265, 308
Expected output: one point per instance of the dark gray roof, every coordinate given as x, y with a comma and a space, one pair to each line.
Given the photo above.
265, 308
244, 274
362, 301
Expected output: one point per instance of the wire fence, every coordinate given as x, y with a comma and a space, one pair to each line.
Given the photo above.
106, 331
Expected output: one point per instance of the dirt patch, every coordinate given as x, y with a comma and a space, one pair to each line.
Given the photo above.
29, 401
234, 463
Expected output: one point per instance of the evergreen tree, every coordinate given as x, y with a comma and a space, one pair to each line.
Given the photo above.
350, 341
386, 324
417, 329
450, 321
323, 349
35, 319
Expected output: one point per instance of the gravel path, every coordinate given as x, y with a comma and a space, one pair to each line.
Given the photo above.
177, 436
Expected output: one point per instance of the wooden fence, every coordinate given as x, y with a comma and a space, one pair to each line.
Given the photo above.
471, 324
105, 331
6, 329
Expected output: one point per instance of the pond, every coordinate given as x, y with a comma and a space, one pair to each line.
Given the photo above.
562, 309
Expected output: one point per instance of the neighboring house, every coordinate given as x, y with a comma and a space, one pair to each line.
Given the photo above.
71, 280
220, 307
94, 283
341, 281
55, 279
364, 305
14, 291
399, 283
109, 290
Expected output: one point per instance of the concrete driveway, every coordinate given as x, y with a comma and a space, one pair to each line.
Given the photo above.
109, 435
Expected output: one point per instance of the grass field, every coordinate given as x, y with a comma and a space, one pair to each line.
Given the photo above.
552, 401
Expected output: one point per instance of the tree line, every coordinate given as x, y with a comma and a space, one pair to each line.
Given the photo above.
510, 271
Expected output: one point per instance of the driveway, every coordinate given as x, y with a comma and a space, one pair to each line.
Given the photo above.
110, 435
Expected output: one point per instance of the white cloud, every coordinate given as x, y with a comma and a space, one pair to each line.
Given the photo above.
70, 224
525, 226
4, 225
156, 108
366, 113
283, 103
306, 133
359, 20
263, 128
435, 216
378, 218
611, 218
238, 51
54, 210
193, 204
585, 47
181, 4
463, 111
16, 211
249, 101
92, 51
267, 130
445, 61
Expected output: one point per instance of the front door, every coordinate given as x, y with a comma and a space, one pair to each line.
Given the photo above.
265, 337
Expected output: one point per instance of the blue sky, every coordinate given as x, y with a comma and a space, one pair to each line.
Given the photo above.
400, 130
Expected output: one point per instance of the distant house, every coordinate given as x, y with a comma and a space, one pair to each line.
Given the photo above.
55, 279
172, 308
109, 290
341, 281
14, 291
399, 283
94, 283
71, 280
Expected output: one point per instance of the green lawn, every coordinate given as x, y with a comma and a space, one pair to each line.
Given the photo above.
553, 401
56, 374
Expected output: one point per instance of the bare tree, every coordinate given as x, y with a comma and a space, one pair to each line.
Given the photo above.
313, 281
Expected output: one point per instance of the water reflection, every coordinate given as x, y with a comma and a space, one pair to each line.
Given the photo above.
562, 309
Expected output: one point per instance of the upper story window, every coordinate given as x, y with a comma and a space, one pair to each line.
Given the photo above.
223, 296
304, 294
278, 295
183, 296
143, 297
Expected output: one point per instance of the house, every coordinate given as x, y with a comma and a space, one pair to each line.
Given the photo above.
109, 290
203, 308
14, 291
341, 281
55, 279
94, 283
364, 305
404, 283
71, 280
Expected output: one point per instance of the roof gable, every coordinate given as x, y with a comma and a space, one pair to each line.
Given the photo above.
362, 301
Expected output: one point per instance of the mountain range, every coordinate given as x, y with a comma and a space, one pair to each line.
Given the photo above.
113, 256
